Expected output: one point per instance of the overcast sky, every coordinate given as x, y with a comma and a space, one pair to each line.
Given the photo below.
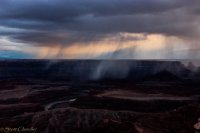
108, 29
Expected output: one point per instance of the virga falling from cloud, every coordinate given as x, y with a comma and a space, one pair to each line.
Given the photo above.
96, 28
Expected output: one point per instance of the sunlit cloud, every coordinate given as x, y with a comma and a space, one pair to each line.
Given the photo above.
154, 46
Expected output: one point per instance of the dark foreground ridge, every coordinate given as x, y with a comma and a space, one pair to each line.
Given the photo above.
99, 96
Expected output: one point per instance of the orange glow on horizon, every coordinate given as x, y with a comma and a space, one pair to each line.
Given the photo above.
151, 43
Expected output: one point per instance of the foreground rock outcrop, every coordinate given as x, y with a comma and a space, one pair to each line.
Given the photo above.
72, 120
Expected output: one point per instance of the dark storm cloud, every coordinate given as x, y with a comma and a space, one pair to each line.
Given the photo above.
69, 21
58, 10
